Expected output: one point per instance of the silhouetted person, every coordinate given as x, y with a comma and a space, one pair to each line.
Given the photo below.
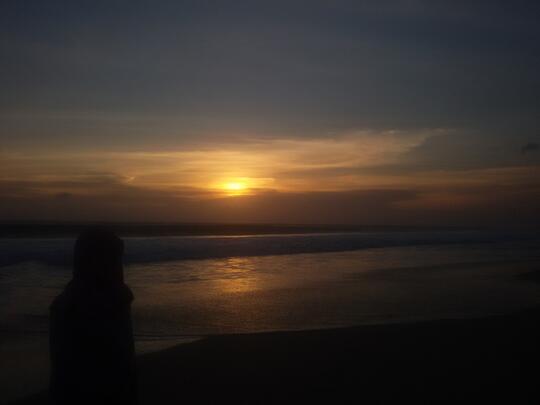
91, 338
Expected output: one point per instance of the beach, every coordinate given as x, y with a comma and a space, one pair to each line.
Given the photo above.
486, 360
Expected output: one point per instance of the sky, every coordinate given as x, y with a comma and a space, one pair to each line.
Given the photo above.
339, 112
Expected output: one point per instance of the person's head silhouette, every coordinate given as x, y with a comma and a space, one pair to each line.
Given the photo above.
98, 258
91, 335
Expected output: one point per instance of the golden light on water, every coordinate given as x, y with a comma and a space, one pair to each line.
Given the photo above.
237, 275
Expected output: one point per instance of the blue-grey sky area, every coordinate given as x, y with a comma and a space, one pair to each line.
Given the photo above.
390, 112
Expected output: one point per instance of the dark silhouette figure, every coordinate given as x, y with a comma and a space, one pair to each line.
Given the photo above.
91, 338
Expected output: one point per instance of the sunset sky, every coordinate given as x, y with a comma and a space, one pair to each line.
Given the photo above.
342, 112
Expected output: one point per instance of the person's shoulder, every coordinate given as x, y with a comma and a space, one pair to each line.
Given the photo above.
60, 303
126, 293
65, 299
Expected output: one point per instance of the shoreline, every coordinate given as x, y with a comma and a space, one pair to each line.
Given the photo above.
464, 360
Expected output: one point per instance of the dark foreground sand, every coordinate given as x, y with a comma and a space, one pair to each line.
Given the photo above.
480, 361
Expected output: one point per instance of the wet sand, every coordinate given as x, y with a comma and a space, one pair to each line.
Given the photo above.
489, 360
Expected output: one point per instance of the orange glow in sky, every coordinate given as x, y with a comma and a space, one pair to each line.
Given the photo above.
235, 188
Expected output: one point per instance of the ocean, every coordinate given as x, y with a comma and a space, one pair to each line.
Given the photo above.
187, 287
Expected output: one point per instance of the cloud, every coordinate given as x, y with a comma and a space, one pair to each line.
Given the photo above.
284, 164
386, 177
467, 149
114, 199
275, 69
122, 202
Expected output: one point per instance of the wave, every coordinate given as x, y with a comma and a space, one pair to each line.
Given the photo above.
58, 252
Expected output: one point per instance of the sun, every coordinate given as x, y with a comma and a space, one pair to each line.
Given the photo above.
240, 186
233, 188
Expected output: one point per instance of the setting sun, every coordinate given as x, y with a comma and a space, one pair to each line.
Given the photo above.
235, 188
240, 186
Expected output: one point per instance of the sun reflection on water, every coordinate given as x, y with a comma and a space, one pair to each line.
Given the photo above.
236, 274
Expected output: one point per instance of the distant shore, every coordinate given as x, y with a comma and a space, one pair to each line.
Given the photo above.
469, 361
68, 229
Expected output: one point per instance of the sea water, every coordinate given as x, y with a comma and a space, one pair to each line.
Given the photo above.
189, 287
192, 286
